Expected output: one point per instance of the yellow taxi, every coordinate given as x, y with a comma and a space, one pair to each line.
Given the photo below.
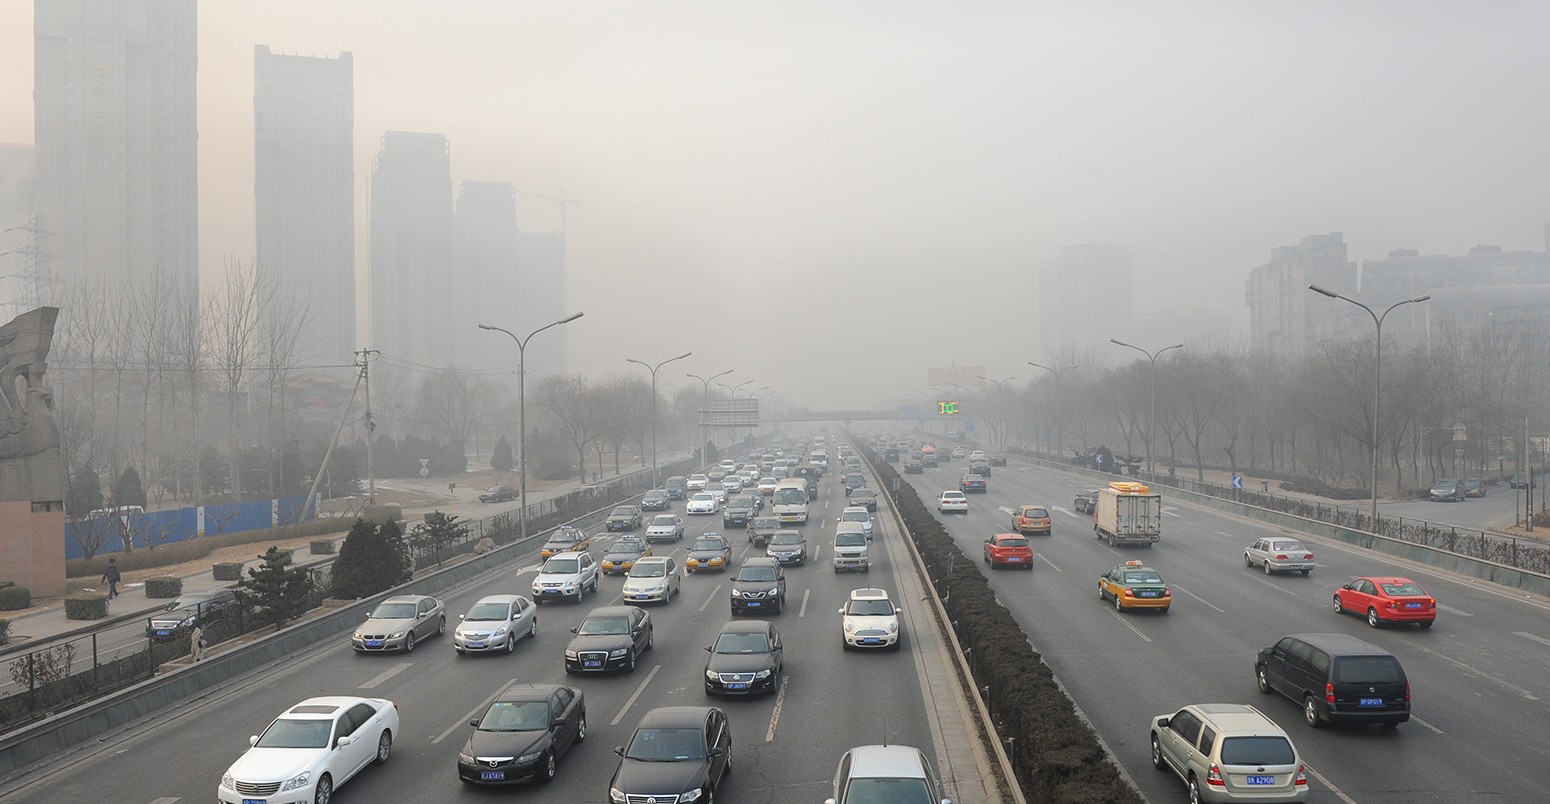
1032, 519
565, 540
710, 552
621, 555
1133, 585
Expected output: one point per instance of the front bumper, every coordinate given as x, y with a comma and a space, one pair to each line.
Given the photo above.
555, 593
384, 644
595, 662
740, 684
300, 795
486, 643
766, 603
644, 597
871, 639
625, 526
497, 771
852, 564
692, 566
799, 557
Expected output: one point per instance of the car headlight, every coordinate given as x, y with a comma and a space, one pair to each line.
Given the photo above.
395, 635
762, 674
570, 654
357, 635
616, 795
692, 795
228, 782
297, 781
465, 759
186, 622
530, 757
736, 593
618, 654
501, 631
712, 675
893, 627
849, 626
570, 583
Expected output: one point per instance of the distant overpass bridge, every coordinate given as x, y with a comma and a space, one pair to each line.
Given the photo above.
874, 415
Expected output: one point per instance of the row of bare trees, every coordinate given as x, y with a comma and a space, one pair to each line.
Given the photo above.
1230, 408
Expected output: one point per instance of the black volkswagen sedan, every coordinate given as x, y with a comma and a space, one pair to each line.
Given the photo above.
523, 734
747, 657
610, 638
677, 753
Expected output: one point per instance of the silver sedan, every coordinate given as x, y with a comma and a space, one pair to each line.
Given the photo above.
398, 622
495, 623
1279, 555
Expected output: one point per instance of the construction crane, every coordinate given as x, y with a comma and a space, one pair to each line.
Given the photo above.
560, 199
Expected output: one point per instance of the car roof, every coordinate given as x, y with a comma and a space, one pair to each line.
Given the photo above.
746, 627
887, 761
644, 560
1031, 505
1340, 644
508, 599
1382, 579
406, 598
612, 611
529, 691
570, 554
855, 509
1237, 718
682, 717
869, 594
1009, 536
325, 706
761, 561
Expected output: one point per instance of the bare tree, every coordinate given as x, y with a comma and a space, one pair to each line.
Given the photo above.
449, 403
236, 345
284, 315
187, 352
575, 405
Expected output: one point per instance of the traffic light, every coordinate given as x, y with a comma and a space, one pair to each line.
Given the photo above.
946, 408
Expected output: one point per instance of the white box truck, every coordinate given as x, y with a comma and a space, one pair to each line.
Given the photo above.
1128, 513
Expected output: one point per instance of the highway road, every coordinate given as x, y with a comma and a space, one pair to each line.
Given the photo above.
786, 747
1500, 508
1478, 680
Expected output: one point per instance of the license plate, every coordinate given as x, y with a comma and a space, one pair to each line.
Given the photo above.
551, 591
1371, 702
640, 597
164, 633
1412, 605
754, 605
591, 663
1262, 780
475, 645
498, 776
255, 801
1146, 594
1014, 558
870, 641
737, 686
373, 643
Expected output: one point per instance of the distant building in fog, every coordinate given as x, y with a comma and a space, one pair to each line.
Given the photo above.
1406, 274
117, 140
1285, 318
1199, 329
304, 181
1068, 287
17, 169
411, 276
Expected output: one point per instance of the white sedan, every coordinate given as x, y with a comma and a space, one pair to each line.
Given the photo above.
952, 501
702, 503
311, 749
653, 578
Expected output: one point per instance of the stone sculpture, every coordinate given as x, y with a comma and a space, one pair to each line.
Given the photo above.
31, 464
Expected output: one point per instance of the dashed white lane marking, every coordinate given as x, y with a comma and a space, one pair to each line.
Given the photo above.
166, 800
473, 713
1005, 510
638, 690
1327, 783
802, 612
1169, 511
1178, 588
1049, 562
387, 674
710, 597
1072, 514
1532, 637
1453, 611
1427, 725
780, 698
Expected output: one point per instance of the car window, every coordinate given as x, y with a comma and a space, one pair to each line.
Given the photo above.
756, 574
565, 696
666, 745
1367, 670
1035, 513
1289, 546
1267, 750
393, 611
355, 718
604, 626
515, 716
426, 606
1207, 739
1300, 654
637, 619
556, 708
741, 643
296, 733
1402, 589
1186, 725
1142, 577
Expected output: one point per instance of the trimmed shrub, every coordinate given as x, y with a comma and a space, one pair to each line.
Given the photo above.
86, 606
14, 598
321, 547
227, 571
163, 586
7, 584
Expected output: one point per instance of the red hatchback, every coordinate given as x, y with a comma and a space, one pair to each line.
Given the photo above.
1008, 550
1387, 600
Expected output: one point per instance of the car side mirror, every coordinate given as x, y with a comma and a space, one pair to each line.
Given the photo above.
573, 629
841, 611
898, 610
253, 740
345, 740
462, 616
828, 801
707, 649
474, 723
716, 752
1162, 723
367, 617
557, 722
619, 749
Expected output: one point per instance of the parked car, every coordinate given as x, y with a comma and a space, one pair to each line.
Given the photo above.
314, 747
398, 622
610, 638
676, 753
495, 623
1229, 752
497, 494
522, 735
1336, 679
1385, 600
188, 610
746, 657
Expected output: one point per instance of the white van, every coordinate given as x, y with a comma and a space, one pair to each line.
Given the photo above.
790, 501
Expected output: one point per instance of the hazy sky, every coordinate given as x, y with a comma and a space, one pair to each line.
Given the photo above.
831, 196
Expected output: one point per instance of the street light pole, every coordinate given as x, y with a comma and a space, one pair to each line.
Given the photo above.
1000, 410
705, 400
522, 409
733, 390
653, 370
1151, 428
1059, 433
1377, 377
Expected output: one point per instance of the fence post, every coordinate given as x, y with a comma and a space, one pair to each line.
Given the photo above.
96, 679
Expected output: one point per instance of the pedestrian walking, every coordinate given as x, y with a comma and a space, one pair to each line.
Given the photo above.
196, 643
111, 577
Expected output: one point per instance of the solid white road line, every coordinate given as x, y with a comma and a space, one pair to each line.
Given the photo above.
1532, 637
638, 690
1198, 597
473, 713
166, 800
387, 674
1327, 783
1427, 725
780, 698
802, 612
709, 598
1069, 513
1049, 562
1121, 618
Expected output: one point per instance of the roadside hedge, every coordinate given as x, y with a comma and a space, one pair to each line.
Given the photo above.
1055, 755
227, 571
193, 549
163, 586
86, 607
15, 598
321, 547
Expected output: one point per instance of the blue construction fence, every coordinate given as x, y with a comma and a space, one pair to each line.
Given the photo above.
106, 534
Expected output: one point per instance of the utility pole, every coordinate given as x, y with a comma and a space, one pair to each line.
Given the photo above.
36, 274
371, 474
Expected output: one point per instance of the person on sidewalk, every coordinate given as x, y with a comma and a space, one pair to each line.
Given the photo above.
111, 577
196, 643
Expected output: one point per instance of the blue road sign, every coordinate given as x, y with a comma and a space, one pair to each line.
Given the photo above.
1237, 482
968, 426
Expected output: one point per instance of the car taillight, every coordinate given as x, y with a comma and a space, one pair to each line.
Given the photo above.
1407, 692
1280, 558
1329, 692
1129, 593
1307, 557
1214, 776
1431, 603
1302, 776
1167, 593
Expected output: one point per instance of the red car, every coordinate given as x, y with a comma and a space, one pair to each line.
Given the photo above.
1008, 550
1387, 600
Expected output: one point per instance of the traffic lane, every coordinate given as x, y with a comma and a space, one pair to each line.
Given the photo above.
1478, 513
1178, 576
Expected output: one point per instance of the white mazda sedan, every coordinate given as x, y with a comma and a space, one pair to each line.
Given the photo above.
310, 750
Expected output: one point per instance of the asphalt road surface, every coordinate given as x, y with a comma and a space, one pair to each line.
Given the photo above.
1479, 686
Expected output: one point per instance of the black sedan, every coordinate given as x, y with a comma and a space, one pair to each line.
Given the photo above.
913, 467
195, 608
610, 638
866, 498
518, 737
674, 751
655, 500
747, 657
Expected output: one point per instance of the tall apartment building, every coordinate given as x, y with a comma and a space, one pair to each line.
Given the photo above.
1082, 273
1285, 318
304, 182
411, 262
117, 142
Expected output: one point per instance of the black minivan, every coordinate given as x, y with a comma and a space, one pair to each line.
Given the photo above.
1337, 679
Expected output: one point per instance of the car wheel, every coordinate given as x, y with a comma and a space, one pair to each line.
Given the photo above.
546, 773
1101, 595
441, 626
1157, 758
511, 643
651, 639
1268, 570
1372, 617
325, 790
384, 746
409, 643
532, 630
986, 558
629, 667
1262, 679
581, 728
1194, 790
1119, 604
1248, 562
1310, 711
1305, 573
1426, 624
1339, 609
727, 771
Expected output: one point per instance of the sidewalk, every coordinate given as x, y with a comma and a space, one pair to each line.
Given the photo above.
46, 623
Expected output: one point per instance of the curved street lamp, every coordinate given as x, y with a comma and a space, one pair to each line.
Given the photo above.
1000, 417
653, 370
522, 408
704, 401
1151, 428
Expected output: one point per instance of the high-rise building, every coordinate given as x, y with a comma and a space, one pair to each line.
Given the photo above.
1407, 273
16, 177
1285, 318
116, 134
541, 264
1069, 284
304, 181
411, 261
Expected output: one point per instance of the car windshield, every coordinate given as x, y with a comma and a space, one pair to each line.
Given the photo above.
1445, 484
849, 539
786, 537
488, 612
742, 643
888, 791
788, 496
706, 544
666, 745
623, 512
756, 574
870, 608
562, 566
766, 522
627, 546
861, 494
1367, 670
952, 496
393, 611
648, 569
497, 489
665, 519
855, 516
516, 716
565, 537
1405, 589
296, 733
1142, 577
1035, 513
604, 626
1257, 751
1012, 543
703, 498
